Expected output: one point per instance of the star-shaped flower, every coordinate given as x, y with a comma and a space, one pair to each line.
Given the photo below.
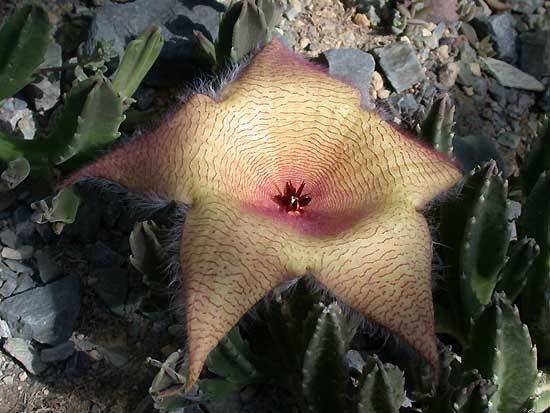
353, 223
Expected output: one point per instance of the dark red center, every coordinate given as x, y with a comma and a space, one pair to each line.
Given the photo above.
291, 200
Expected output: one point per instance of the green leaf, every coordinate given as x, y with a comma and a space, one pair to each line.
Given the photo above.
138, 58
24, 38
9, 148
96, 125
382, 388
500, 349
325, 372
59, 210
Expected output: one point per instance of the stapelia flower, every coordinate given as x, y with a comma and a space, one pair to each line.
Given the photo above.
283, 127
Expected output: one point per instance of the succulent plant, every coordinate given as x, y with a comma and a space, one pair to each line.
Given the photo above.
500, 349
246, 26
437, 126
381, 389
289, 240
60, 209
24, 38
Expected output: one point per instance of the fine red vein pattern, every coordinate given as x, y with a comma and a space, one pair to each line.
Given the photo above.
361, 234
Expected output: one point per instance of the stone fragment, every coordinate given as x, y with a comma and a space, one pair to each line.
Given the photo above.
501, 29
45, 90
47, 314
57, 353
4, 329
535, 53
448, 74
24, 283
23, 351
525, 6
353, 66
8, 287
24, 252
47, 267
16, 118
8, 238
400, 65
510, 140
510, 76
6, 272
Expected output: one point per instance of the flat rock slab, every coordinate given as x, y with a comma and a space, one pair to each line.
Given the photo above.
23, 351
120, 23
510, 76
400, 65
353, 66
47, 314
501, 29
535, 53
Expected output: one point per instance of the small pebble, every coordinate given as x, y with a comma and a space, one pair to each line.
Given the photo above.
426, 33
362, 20
469, 90
8, 238
23, 376
304, 42
443, 53
8, 380
475, 68
383, 94
95, 355
377, 81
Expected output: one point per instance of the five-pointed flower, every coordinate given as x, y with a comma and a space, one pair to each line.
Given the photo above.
356, 224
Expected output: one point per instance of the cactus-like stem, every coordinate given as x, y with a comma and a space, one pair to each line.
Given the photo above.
535, 305
474, 227
325, 375
513, 276
437, 128
500, 348
538, 158
382, 388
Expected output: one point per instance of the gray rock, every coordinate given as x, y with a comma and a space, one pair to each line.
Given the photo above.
509, 76
4, 329
501, 29
47, 314
120, 23
24, 283
8, 287
25, 353
45, 91
24, 252
525, 6
355, 360
6, 272
510, 140
47, 267
58, 353
16, 118
535, 53
353, 66
8, 238
400, 65
18, 267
